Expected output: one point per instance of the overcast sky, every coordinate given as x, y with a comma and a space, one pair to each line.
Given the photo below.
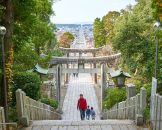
74, 11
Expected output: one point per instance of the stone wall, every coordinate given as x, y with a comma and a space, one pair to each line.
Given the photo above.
132, 108
29, 109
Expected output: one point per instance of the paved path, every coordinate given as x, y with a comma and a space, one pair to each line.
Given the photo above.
71, 117
83, 84
83, 125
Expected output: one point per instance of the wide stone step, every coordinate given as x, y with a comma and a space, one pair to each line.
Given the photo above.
83, 125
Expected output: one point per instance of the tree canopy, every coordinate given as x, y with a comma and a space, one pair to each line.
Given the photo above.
134, 37
30, 33
131, 32
66, 39
109, 20
99, 32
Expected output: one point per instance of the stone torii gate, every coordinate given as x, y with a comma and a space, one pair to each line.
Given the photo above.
68, 51
57, 62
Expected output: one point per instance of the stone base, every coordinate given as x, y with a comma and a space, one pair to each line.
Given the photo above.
24, 121
59, 111
139, 120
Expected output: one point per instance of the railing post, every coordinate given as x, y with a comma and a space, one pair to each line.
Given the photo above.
2, 119
103, 83
22, 117
143, 96
131, 90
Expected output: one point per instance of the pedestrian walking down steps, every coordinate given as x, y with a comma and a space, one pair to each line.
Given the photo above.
93, 114
88, 113
82, 106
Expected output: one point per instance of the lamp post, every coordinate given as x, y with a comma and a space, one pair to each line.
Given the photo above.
157, 25
4, 86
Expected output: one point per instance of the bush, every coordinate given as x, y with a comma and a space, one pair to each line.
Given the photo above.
113, 96
159, 88
53, 103
29, 83
13, 116
148, 88
147, 114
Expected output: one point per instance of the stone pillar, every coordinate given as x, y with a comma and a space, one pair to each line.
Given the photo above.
139, 117
131, 90
58, 87
67, 75
80, 54
91, 68
90, 65
2, 116
53, 89
143, 96
94, 66
103, 82
20, 104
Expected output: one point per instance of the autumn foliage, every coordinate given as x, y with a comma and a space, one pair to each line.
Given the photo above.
66, 39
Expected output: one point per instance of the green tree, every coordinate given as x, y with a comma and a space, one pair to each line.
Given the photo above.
157, 10
7, 21
29, 33
109, 20
32, 23
134, 38
98, 33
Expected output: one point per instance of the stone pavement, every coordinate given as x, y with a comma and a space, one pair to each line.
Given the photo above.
84, 125
83, 84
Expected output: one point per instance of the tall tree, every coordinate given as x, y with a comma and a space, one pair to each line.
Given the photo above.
28, 28
6, 13
135, 39
7, 21
66, 39
98, 32
109, 21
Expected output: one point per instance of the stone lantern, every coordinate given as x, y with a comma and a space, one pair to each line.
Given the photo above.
119, 77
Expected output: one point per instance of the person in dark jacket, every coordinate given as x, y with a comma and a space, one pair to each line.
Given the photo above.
82, 106
93, 114
88, 113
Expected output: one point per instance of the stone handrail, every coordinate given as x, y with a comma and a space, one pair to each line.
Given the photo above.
157, 119
29, 109
2, 119
132, 108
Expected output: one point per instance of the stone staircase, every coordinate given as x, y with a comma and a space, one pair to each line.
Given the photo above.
83, 125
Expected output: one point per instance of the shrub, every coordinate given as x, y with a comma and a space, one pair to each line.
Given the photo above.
53, 103
13, 116
29, 83
147, 114
113, 96
159, 88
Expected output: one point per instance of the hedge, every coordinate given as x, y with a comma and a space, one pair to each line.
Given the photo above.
29, 82
113, 96
53, 103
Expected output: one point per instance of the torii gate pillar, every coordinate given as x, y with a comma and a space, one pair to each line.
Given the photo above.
95, 75
103, 83
67, 75
58, 87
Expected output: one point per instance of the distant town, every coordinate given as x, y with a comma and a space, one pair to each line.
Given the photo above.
76, 29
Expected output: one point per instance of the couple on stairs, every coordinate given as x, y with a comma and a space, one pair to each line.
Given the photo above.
84, 110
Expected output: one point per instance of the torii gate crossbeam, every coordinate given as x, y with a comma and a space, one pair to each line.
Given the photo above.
73, 60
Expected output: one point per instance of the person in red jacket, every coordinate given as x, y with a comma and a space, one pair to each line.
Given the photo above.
82, 106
